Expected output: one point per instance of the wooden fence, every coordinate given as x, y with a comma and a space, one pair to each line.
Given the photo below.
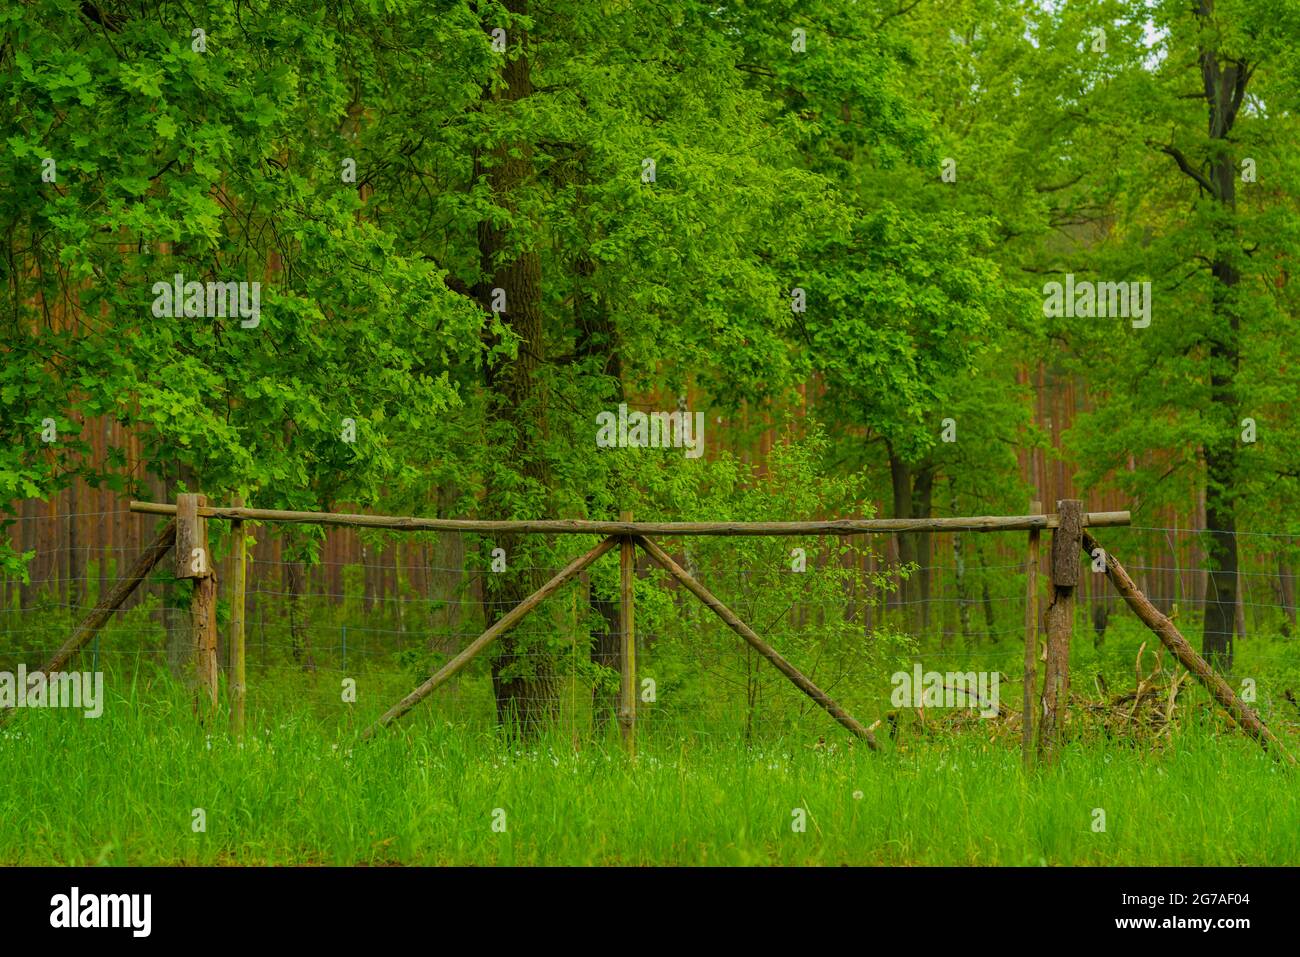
186, 535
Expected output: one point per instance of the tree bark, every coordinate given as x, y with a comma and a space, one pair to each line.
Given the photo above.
913, 491
1224, 82
900, 474
523, 673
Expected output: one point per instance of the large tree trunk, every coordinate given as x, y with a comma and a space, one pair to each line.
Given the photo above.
913, 493
523, 672
1224, 84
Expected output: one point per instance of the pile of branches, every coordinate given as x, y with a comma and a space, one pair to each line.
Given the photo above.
940, 722
1146, 712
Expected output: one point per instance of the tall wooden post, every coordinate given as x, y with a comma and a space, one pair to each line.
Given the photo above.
194, 561
1066, 545
1031, 639
237, 587
627, 607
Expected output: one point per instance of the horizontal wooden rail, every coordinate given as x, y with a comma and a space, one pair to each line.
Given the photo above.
839, 526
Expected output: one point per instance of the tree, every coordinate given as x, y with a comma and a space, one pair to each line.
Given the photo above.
1212, 81
211, 144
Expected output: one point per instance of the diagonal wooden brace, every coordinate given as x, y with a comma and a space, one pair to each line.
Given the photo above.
121, 591
799, 680
504, 624
1173, 639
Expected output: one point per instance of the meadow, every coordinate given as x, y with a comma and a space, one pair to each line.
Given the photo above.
446, 788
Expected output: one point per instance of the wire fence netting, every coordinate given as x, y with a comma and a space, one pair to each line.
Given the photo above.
384, 611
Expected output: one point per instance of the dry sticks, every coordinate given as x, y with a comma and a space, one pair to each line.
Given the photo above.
1172, 639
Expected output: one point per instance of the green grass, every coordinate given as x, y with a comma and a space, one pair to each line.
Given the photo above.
302, 790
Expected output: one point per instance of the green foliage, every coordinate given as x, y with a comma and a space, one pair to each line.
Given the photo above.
815, 615
915, 171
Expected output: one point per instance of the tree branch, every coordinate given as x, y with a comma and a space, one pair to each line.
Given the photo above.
1178, 157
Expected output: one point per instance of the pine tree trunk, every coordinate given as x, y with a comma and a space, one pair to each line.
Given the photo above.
922, 506
900, 474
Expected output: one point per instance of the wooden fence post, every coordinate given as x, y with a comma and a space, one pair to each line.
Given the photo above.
1031, 640
237, 588
1066, 544
627, 607
191, 533
194, 561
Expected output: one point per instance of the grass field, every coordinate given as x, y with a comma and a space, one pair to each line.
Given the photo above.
302, 789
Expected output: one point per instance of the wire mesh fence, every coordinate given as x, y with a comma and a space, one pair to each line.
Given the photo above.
383, 612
